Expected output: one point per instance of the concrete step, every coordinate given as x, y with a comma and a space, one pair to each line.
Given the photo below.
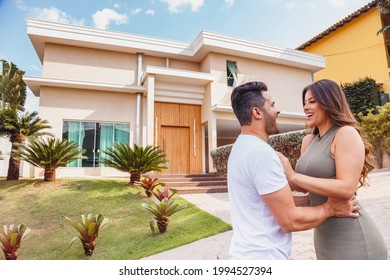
194, 183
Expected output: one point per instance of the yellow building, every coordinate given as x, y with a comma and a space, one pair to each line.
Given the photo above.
352, 48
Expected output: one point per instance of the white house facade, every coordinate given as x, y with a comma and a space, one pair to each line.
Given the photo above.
99, 87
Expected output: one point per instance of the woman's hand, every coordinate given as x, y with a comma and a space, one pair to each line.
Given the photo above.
289, 171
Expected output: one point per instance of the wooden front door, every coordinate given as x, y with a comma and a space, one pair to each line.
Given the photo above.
176, 145
178, 132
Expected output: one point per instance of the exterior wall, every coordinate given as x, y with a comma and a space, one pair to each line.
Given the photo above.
92, 65
184, 65
59, 104
285, 83
354, 51
5, 148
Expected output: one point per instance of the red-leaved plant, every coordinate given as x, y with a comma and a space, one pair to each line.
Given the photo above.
163, 208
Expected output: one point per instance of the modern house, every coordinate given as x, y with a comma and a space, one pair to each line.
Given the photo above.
353, 50
99, 87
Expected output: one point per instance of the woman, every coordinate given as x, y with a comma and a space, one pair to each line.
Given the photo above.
335, 160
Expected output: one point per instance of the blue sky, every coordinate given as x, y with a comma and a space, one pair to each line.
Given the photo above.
285, 23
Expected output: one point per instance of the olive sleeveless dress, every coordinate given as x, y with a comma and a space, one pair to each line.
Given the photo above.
339, 238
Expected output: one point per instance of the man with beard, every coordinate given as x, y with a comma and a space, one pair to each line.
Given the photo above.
262, 207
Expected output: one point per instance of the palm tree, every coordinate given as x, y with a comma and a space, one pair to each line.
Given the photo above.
136, 161
50, 154
12, 87
17, 127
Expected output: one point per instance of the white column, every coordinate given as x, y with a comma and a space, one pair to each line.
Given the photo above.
150, 111
212, 127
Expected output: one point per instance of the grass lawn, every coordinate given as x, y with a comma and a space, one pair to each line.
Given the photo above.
127, 235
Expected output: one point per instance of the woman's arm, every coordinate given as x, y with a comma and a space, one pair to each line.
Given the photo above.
348, 151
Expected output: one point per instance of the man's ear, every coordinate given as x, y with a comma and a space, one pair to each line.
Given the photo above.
256, 113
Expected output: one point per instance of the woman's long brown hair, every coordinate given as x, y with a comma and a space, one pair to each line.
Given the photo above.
331, 98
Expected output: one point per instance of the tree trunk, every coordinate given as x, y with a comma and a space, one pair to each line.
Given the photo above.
49, 175
14, 160
13, 168
134, 177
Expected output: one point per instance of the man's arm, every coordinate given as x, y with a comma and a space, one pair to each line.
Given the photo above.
291, 218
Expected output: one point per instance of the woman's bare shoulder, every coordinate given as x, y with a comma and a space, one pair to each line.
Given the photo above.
306, 141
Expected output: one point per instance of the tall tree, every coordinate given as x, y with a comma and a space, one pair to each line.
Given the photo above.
12, 87
384, 9
18, 126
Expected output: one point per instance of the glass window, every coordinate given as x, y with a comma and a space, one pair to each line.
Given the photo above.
94, 138
231, 70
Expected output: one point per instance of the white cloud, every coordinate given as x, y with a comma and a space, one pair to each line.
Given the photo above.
102, 19
20, 4
337, 3
54, 14
150, 12
177, 6
136, 11
229, 3
291, 5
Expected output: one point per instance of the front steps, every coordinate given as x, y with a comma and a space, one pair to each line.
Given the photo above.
194, 183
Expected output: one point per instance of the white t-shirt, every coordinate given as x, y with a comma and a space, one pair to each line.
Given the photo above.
254, 169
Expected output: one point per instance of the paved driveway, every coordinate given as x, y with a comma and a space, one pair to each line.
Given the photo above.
375, 199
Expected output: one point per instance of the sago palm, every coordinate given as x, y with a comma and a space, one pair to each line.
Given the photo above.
50, 154
17, 127
136, 161
88, 227
11, 238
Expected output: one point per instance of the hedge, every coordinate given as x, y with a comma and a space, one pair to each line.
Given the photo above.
288, 144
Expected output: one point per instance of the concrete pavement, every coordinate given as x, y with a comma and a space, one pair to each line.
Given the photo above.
375, 199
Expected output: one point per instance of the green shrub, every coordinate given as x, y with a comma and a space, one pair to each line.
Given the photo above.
376, 127
362, 95
288, 144
220, 157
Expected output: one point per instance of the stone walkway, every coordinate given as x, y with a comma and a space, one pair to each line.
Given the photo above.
375, 199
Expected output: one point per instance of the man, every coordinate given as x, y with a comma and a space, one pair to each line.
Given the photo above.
262, 207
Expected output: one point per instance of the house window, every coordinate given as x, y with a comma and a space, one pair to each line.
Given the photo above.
231, 70
94, 138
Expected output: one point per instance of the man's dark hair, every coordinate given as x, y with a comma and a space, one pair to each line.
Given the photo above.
244, 98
